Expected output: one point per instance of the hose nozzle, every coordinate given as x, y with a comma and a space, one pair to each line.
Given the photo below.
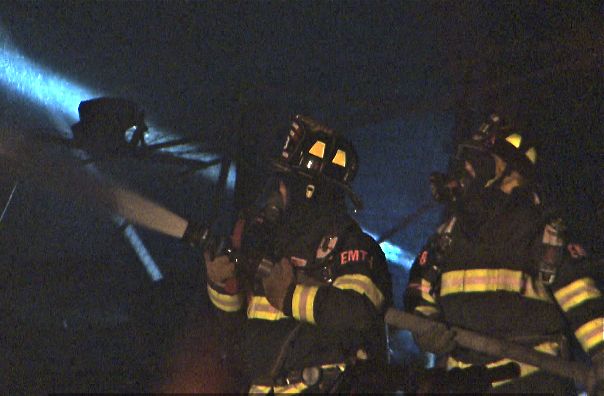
196, 234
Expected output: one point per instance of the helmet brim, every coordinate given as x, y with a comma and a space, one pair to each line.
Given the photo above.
284, 168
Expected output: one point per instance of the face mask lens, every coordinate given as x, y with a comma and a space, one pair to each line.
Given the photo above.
270, 202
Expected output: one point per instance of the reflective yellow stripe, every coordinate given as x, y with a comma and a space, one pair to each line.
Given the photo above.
423, 288
289, 389
340, 158
591, 333
340, 366
259, 389
303, 303
551, 348
297, 387
577, 293
491, 280
225, 302
361, 284
426, 310
260, 308
515, 139
318, 149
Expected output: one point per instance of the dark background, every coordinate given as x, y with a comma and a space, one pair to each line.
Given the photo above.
404, 80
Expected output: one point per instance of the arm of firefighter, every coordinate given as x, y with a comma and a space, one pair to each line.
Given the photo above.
417, 297
360, 291
582, 301
222, 284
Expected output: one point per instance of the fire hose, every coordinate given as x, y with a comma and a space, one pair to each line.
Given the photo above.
477, 342
80, 186
498, 348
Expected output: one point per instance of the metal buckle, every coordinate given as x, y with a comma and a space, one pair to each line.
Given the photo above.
547, 275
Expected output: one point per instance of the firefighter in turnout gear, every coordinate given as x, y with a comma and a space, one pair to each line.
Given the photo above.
499, 266
303, 286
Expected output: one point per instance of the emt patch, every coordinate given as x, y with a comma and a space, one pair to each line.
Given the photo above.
352, 255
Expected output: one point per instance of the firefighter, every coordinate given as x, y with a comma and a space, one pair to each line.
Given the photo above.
307, 285
499, 266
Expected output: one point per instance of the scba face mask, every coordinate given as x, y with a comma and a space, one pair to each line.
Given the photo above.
472, 171
284, 194
270, 204
475, 170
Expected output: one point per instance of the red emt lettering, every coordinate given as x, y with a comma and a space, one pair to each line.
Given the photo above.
352, 255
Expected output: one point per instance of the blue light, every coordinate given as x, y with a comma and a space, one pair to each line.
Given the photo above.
62, 97
190, 151
232, 175
58, 95
47, 89
394, 254
142, 253
397, 255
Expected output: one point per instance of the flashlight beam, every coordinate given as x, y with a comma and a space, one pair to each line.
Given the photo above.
62, 97
143, 254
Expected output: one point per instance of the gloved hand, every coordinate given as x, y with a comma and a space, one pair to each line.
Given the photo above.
596, 388
219, 269
277, 283
436, 338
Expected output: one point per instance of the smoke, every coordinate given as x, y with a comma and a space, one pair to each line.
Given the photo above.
30, 160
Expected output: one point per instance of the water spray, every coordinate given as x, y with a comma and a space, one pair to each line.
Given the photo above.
10, 197
148, 214
66, 176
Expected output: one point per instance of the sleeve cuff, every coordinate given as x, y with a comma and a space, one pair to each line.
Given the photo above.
225, 302
302, 303
287, 301
230, 286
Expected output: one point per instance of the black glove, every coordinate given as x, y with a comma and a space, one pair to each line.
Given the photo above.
436, 338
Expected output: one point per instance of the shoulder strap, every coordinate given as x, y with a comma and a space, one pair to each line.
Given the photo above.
550, 256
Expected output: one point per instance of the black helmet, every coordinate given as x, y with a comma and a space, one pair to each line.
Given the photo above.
494, 151
319, 154
499, 137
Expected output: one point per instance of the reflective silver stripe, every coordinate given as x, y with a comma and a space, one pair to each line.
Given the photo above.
303, 303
